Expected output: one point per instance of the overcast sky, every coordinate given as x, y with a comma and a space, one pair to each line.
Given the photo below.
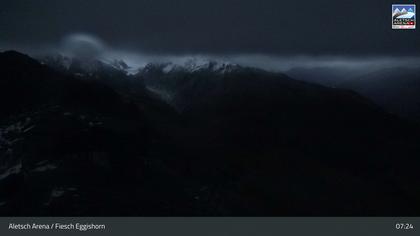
269, 27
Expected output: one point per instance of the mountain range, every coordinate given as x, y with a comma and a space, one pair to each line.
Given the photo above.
86, 138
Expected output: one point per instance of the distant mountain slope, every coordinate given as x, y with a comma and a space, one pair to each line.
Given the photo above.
394, 89
397, 90
326, 76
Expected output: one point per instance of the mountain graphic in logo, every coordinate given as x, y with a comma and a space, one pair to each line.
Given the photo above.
400, 12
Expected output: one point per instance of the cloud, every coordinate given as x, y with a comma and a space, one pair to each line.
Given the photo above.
83, 46
284, 63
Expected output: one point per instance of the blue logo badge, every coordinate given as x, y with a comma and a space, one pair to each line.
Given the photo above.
403, 16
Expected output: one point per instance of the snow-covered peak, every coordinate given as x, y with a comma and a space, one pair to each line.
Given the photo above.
85, 66
57, 61
120, 65
192, 65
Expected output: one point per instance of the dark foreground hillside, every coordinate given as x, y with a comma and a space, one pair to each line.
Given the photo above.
228, 142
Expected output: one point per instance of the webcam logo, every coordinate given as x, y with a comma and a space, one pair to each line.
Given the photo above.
403, 16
